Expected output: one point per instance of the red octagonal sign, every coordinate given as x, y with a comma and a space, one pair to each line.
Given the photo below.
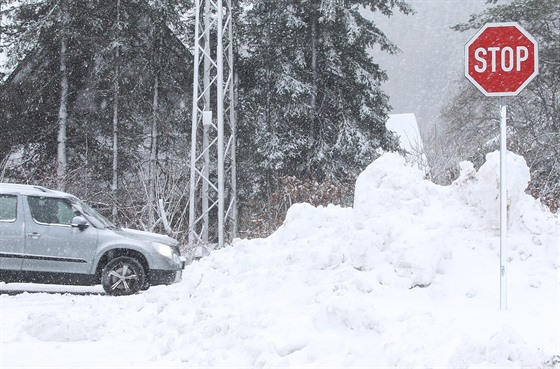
501, 59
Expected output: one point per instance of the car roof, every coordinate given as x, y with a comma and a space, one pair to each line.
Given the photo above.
31, 190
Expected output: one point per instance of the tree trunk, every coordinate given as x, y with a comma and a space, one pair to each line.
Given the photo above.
153, 155
152, 168
314, 83
116, 93
313, 101
63, 108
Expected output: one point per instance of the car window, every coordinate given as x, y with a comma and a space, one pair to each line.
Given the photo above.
98, 220
47, 210
8, 208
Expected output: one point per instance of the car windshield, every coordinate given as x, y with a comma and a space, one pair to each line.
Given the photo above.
98, 220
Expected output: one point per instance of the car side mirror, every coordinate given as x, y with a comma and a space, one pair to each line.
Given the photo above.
80, 223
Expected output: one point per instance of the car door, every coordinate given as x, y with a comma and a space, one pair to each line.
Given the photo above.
51, 243
11, 233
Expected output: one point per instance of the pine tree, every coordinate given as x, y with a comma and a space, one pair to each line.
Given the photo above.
311, 103
110, 113
32, 26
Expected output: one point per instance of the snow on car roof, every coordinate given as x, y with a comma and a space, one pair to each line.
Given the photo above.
24, 189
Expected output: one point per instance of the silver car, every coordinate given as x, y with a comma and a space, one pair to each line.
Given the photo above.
48, 236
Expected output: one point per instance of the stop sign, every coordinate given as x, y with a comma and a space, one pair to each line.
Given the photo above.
501, 59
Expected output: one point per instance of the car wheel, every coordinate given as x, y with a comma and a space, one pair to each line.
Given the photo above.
123, 275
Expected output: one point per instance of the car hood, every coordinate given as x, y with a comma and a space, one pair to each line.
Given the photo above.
147, 236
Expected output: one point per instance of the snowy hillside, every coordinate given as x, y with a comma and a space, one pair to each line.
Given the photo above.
408, 277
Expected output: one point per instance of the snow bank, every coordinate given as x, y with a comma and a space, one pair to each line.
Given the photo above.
408, 277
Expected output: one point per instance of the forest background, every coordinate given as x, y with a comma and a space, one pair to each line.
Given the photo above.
97, 98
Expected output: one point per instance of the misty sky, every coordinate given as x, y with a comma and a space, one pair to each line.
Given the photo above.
425, 74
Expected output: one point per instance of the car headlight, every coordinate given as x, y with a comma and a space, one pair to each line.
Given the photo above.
164, 249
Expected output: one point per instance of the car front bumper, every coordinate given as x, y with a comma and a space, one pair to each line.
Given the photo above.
158, 277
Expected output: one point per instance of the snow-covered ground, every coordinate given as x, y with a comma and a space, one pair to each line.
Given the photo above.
408, 277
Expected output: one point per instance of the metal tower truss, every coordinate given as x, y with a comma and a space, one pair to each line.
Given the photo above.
212, 207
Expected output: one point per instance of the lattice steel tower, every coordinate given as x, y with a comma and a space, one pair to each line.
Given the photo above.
212, 207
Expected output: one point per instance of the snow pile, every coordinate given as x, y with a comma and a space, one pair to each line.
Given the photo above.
408, 277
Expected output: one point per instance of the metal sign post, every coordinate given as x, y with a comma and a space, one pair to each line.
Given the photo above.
500, 60
503, 210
